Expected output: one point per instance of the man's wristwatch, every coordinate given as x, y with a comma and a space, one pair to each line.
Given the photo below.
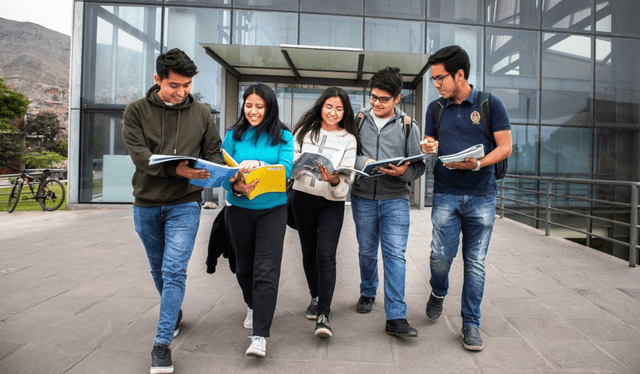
477, 166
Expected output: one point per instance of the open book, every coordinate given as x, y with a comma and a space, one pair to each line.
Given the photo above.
219, 173
272, 178
309, 161
373, 168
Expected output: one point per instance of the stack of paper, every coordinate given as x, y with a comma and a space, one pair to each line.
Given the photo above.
476, 151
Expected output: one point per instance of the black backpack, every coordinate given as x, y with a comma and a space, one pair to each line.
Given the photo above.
484, 98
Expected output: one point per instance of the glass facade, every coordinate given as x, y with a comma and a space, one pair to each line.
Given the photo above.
568, 71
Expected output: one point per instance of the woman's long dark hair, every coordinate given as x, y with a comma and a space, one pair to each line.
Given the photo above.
311, 120
270, 125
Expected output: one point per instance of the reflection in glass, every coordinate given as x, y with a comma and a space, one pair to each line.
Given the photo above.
186, 28
198, 2
469, 11
525, 13
525, 150
617, 97
264, 28
332, 6
406, 9
121, 52
330, 31
468, 37
567, 83
568, 15
393, 36
267, 4
512, 71
565, 152
618, 17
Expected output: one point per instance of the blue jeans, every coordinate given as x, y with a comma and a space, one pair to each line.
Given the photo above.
168, 234
383, 223
474, 217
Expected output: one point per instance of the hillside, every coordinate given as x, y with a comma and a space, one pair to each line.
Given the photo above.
34, 60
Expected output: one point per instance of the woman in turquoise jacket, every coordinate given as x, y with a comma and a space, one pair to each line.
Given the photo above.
256, 227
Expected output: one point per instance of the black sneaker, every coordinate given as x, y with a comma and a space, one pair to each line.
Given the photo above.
323, 329
161, 359
434, 307
400, 327
176, 330
312, 309
471, 338
365, 304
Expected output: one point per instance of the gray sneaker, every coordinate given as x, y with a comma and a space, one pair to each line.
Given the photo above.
471, 338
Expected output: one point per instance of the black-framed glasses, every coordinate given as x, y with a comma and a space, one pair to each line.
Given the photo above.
383, 99
438, 79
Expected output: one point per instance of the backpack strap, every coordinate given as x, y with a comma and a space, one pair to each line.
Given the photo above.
359, 120
484, 106
438, 112
406, 120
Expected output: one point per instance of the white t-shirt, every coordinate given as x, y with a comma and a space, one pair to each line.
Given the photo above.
380, 122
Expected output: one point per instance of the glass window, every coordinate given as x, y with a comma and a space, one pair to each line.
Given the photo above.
393, 36
619, 17
412, 9
468, 37
616, 154
512, 71
264, 28
199, 2
525, 13
565, 152
106, 168
568, 15
617, 97
120, 52
525, 150
330, 31
468, 11
567, 82
332, 6
186, 28
267, 4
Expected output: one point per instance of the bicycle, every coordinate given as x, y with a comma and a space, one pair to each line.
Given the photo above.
50, 193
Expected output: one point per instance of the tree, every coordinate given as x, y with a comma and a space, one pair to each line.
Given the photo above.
42, 160
11, 148
12, 104
46, 127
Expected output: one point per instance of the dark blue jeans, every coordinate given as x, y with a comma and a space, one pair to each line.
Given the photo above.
473, 216
319, 225
257, 237
168, 234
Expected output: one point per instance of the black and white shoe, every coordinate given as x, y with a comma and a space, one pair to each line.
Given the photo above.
312, 309
323, 329
161, 359
176, 330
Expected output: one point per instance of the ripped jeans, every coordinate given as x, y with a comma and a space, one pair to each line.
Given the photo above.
473, 216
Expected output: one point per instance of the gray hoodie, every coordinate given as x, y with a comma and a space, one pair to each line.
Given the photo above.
388, 143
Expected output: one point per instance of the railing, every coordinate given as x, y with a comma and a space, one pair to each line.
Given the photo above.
513, 189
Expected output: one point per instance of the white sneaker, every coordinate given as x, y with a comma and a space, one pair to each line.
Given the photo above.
258, 347
248, 320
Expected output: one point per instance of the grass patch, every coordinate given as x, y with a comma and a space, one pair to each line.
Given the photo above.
29, 204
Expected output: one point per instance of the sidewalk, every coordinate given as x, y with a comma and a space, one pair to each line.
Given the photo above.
76, 297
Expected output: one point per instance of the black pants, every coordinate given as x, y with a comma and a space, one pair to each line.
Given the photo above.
257, 237
319, 224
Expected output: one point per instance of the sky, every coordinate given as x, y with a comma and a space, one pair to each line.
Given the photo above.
53, 14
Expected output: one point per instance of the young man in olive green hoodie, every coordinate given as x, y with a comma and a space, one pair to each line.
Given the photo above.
166, 210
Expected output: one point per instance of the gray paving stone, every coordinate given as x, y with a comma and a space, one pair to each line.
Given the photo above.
79, 299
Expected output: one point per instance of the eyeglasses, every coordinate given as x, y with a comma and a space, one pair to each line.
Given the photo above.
383, 99
438, 79
329, 108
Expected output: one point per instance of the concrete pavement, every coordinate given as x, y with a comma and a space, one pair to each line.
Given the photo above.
76, 296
